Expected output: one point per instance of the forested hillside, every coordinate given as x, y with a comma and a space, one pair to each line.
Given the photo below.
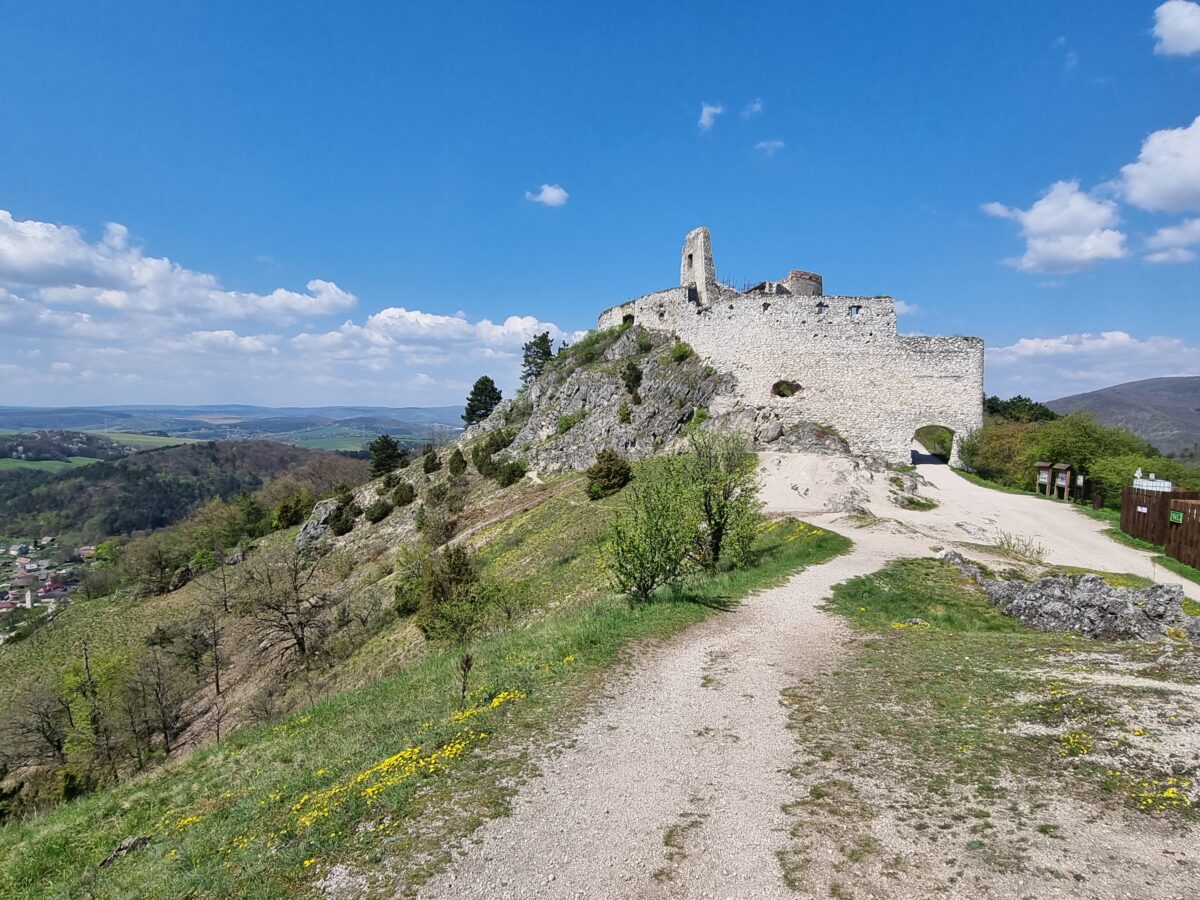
151, 489
1163, 411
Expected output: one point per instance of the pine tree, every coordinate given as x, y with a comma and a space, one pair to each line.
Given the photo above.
385, 455
484, 397
537, 353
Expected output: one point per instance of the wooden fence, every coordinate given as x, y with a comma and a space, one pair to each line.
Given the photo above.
1146, 514
1183, 534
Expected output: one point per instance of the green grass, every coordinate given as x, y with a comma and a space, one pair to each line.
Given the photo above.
1116, 579
937, 708
47, 465
231, 821
983, 482
1181, 569
143, 441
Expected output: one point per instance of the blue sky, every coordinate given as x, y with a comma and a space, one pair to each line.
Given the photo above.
326, 203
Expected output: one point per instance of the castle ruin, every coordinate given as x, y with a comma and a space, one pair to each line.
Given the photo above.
837, 361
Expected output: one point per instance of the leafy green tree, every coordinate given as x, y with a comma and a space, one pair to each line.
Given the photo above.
1018, 409
484, 398
1078, 438
631, 374
536, 354
650, 543
720, 471
385, 455
430, 462
458, 463
1111, 473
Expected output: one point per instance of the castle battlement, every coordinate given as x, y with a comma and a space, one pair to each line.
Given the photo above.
852, 370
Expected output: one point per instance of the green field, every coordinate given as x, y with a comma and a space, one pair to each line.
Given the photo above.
142, 441
47, 465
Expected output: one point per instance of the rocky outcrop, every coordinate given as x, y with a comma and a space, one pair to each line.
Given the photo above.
582, 404
316, 526
1087, 604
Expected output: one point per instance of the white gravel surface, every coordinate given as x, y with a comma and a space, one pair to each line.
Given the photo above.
675, 783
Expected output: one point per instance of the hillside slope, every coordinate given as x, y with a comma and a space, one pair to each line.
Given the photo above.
145, 490
1164, 411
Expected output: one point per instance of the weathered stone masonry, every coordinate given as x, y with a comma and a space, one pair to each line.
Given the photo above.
839, 357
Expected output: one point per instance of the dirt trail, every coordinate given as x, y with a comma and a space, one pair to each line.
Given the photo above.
675, 783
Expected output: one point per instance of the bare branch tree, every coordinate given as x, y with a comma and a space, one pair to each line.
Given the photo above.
283, 595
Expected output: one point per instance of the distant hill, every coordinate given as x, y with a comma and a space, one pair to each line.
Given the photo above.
319, 427
154, 488
1164, 411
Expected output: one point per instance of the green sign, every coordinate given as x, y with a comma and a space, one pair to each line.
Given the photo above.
1177, 516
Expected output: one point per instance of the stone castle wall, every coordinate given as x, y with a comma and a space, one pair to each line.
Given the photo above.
854, 372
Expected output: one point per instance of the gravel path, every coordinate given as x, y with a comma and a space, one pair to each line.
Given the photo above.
675, 783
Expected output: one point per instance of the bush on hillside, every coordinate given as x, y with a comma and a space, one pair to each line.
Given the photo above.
457, 463
510, 472
404, 494
608, 474
430, 462
378, 511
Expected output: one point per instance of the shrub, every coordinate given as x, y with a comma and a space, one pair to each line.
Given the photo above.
650, 542
569, 421
608, 474
699, 417
510, 472
623, 414
645, 343
681, 352
404, 494
785, 388
430, 462
379, 510
631, 374
720, 470
408, 602
342, 520
390, 480
458, 463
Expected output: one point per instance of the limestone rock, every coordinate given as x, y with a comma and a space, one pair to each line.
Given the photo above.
315, 526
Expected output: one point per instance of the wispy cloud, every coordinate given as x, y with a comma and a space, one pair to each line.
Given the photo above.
549, 195
708, 115
770, 148
753, 108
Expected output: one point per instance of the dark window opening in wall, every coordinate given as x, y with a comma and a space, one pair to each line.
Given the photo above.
627, 319
855, 310
786, 388
766, 306
693, 295
689, 262
822, 308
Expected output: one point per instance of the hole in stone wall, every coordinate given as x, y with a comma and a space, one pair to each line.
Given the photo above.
693, 296
627, 319
822, 308
785, 388
855, 310
689, 262
766, 306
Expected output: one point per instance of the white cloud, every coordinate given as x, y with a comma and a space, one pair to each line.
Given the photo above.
102, 317
769, 147
1177, 28
906, 309
1166, 175
1046, 368
708, 115
1170, 244
753, 108
549, 195
1174, 255
56, 265
1065, 230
